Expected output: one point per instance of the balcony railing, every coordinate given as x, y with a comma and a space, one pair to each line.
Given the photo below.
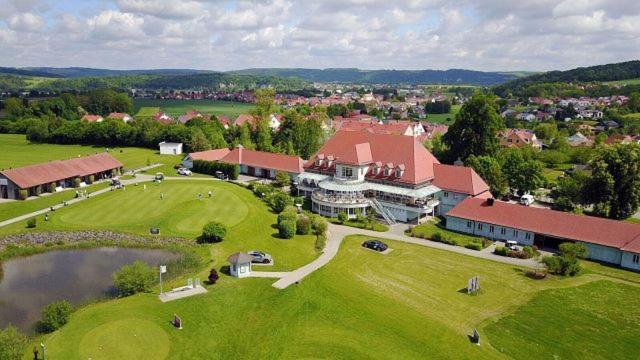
340, 199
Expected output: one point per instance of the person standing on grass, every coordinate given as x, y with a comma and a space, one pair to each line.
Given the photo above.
144, 187
199, 196
161, 196
209, 193
46, 217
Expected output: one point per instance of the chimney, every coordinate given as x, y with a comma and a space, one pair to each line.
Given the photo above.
490, 202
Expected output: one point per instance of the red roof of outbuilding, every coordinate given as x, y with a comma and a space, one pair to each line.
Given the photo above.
39, 174
261, 159
460, 179
590, 229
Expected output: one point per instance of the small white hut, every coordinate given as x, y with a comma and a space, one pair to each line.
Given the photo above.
240, 265
170, 148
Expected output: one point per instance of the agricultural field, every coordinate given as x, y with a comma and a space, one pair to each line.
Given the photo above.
179, 107
410, 301
16, 151
446, 119
624, 82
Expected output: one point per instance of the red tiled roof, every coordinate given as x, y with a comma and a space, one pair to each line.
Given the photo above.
92, 118
210, 155
460, 179
33, 175
243, 118
242, 156
265, 160
384, 148
612, 233
115, 115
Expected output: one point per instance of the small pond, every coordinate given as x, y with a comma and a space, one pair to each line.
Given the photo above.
28, 284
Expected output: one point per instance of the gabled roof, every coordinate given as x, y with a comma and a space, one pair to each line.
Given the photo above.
92, 118
39, 174
239, 258
595, 230
460, 179
346, 146
261, 159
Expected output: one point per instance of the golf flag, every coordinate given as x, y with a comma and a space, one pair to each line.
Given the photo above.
163, 269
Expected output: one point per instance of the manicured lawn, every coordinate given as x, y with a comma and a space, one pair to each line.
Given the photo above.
180, 213
552, 175
599, 320
447, 119
12, 209
16, 151
179, 107
407, 304
428, 229
377, 226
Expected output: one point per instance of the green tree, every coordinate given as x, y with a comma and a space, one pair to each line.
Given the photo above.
55, 315
213, 232
474, 132
279, 201
263, 136
614, 186
570, 191
12, 343
282, 179
134, 278
522, 173
634, 102
265, 102
490, 170
198, 141
14, 108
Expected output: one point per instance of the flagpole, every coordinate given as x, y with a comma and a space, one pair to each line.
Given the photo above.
160, 280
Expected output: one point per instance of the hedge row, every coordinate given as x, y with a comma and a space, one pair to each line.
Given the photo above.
211, 167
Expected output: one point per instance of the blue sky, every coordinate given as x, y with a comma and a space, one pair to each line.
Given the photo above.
496, 35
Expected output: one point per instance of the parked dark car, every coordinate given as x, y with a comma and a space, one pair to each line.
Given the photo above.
376, 245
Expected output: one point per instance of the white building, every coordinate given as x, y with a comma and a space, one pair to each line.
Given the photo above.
170, 148
240, 265
393, 174
611, 241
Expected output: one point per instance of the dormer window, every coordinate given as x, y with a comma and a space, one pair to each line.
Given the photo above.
319, 159
386, 171
399, 170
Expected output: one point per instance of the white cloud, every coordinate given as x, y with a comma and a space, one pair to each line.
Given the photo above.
414, 34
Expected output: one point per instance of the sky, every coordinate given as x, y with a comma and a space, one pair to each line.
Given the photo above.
488, 35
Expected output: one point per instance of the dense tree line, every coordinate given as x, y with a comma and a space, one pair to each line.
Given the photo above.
438, 107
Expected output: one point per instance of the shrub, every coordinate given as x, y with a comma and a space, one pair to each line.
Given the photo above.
342, 217
38, 190
134, 278
318, 225
211, 167
287, 229
500, 250
23, 194
177, 166
440, 237
303, 225
55, 315
213, 276
282, 179
289, 213
213, 232
90, 179
532, 252
474, 246
12, 343
321, 242
31, 223
76, 182
280, 201
567, 261
52, 187
260, 189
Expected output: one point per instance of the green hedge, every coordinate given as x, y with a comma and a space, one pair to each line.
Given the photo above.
210, 168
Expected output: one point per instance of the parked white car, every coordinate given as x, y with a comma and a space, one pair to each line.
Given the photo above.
185, 172
527, 199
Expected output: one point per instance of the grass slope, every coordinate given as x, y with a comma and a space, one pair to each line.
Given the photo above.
599, 320
179, 107
403, 305
446, 119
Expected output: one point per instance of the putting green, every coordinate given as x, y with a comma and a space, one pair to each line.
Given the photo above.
125, 339
179, 212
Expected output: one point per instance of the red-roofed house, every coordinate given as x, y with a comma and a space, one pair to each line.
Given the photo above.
393, 174
92, 118
184, 118
611, 241
163, 118
120, 116
519, 138
55, 175
251, 162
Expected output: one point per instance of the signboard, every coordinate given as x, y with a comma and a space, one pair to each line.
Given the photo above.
473, 285
163, 269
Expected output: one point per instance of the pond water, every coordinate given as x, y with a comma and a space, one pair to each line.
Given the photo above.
30, 283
